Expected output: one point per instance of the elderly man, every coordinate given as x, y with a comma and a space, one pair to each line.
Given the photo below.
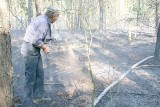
38, 33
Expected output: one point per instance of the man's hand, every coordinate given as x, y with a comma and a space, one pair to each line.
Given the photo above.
46, 49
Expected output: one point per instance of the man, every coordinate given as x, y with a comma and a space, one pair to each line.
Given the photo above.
38, 33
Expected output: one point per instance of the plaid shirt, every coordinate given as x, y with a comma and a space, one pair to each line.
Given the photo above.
39, 31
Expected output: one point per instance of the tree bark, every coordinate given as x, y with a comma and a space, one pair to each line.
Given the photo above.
38, 9
79, 14
157, 31
101, 13
68, 4
30, 11
156, 53
138, 12
156, 14
6, 70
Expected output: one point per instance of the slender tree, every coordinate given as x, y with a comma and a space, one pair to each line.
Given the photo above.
6, 70
138, 12
157, 48
156, 14
68, 4
79, 14
156, 53
38, 9
30, 10
101, 13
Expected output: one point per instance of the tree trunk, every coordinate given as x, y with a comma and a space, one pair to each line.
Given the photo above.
30, 11
68, 4
101, 13
156, 53
157, 31
38, 9
156, 15
6, 70
138, 12
79, 14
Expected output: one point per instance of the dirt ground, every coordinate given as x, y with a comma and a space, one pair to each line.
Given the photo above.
67, 79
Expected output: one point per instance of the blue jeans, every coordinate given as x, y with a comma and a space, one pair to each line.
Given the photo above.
34, 74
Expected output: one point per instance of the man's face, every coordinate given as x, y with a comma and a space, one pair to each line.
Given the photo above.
54, 18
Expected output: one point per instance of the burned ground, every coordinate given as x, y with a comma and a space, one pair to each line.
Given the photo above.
67, 79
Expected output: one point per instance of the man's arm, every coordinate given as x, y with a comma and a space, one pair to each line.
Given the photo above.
39, 34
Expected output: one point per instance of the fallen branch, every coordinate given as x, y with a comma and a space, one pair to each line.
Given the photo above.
134, 93
148, 66
119, 79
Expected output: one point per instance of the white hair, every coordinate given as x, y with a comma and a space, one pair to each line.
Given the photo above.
52, 11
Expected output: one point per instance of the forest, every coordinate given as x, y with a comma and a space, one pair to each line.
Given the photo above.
104, 53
